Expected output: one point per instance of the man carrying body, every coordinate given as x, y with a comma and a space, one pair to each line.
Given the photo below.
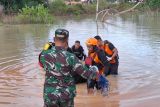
97, 57
111, 53
59, 64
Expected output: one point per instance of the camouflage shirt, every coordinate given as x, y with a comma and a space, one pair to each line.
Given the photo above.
59, 65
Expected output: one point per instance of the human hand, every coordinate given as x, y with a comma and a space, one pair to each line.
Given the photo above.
109, 58
94, 68
95, 72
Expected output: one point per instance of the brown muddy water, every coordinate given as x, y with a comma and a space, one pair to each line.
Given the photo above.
137, 38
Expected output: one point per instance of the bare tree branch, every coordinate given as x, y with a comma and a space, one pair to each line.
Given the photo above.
128, 9
114, 12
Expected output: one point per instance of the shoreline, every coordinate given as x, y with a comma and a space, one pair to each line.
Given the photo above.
76, 11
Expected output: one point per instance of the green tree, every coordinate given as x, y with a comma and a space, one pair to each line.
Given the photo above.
155, 4
35, 14
15, 5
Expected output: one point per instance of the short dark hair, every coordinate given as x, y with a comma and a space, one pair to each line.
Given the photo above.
106, 42
98, 37
77, 41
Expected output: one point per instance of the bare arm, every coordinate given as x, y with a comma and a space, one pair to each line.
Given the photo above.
82, 70
115, 53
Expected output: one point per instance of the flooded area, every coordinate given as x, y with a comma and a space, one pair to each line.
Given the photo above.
136, 36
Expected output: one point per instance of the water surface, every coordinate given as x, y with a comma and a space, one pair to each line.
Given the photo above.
137, 38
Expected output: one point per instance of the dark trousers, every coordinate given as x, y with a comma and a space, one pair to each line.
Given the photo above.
93, 84
112, 69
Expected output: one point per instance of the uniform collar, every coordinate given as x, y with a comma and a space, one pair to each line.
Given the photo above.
59, 48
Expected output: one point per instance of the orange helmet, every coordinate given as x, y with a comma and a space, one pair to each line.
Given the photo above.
91, 41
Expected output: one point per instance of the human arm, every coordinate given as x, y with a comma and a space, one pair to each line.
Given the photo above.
115, 53
104, 61
114, 49
84, 71
102, 57
83, 53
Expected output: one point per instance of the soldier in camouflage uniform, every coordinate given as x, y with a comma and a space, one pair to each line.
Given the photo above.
60, 65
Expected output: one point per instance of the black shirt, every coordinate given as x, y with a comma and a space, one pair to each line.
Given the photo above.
102, 57
79, 52
69, 50
111, 47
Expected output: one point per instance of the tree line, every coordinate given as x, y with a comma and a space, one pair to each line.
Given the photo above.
15, 5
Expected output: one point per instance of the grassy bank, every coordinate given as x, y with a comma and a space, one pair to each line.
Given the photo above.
33, 15
42, 14
58, 7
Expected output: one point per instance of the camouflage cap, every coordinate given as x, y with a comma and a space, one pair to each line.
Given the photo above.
62, 33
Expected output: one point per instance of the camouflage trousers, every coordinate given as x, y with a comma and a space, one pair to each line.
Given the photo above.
61, 103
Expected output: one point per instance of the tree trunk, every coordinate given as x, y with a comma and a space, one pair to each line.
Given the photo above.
1, 11
47, 3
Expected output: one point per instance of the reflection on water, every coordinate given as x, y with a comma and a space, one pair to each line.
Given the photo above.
137, 38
